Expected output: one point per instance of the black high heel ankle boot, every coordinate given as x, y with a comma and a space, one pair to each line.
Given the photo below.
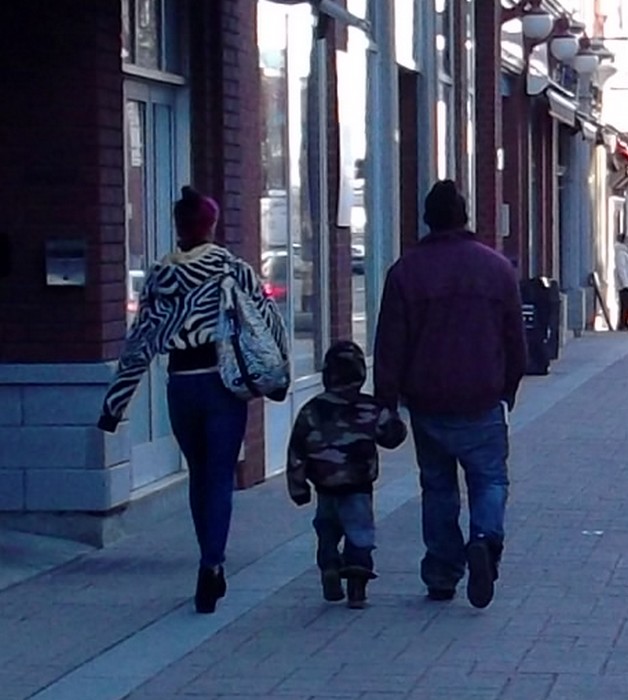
210, 587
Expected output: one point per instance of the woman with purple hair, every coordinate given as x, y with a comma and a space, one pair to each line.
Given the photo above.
178, 315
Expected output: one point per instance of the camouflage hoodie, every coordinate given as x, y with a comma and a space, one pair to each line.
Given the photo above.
334, 441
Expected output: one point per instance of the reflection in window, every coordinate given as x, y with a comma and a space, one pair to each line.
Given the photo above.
445, 112
352, 86
151, 34
291, 228
136, 202
470, 103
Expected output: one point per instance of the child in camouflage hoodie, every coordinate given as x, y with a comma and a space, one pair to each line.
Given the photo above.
333, 446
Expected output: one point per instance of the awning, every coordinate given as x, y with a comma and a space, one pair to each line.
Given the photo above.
589, 129
561, 107
622, 148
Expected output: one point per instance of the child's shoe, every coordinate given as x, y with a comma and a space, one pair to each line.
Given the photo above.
356, 592
332, 586
357, 578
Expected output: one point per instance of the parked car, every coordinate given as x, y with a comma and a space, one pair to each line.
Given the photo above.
135, 282
358, 256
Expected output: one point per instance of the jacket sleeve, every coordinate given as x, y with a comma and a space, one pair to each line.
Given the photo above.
391, 431
135, 359
391, 341
514, 342
298, 486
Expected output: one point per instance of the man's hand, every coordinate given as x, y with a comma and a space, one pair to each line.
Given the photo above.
302, 499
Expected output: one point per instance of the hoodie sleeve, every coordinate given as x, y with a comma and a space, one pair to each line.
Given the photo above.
298, 486
390, 342
514, 341
135, 359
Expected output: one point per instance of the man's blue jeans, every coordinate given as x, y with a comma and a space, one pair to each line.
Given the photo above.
350, 517
208, 422
479, 443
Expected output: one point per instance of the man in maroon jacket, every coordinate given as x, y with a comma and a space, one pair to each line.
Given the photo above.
450, 346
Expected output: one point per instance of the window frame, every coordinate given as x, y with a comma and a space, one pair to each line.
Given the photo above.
180, 10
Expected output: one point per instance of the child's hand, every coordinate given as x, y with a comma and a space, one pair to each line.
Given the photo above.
303, 499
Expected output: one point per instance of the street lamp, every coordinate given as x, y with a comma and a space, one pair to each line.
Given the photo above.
564, 44
536, 23
587, 60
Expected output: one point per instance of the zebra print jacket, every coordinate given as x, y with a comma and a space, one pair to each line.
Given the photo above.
178, 309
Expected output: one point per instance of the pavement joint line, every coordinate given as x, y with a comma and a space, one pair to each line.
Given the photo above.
124, 667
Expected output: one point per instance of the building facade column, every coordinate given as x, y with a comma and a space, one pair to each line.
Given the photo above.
489, 162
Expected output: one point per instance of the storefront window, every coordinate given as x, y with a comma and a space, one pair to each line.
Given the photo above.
290, 207
136, 195
405, 31
352, 86
151, 33
470, 80
445, 114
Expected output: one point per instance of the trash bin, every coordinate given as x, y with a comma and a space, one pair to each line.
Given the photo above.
541, 315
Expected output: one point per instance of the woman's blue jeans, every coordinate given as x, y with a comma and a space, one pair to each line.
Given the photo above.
208, 422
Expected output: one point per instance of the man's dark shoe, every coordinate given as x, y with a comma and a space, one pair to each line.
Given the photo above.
332, 586
481, 583
441, 594
210, 587
356, 592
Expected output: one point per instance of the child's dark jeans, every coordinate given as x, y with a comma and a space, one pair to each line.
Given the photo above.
349, 516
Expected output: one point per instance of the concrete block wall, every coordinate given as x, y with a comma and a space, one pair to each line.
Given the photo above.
52, 457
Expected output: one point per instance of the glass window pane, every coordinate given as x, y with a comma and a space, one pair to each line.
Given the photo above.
135, 202
404, 33
444, 35
128, 31
273, 47
148, 33
352, 85
305, 238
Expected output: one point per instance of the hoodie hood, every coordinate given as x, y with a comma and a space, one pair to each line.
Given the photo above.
344, 368
181, 272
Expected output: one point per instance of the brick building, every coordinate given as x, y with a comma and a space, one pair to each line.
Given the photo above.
286, 113
318, 126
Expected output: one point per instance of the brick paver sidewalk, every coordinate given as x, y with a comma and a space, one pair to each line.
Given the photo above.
119, 623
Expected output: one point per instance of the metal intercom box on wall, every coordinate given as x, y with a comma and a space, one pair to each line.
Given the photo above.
66, 263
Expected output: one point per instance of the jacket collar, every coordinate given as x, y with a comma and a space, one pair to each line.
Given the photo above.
442, 236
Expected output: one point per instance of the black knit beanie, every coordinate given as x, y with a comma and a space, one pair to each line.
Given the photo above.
445, 208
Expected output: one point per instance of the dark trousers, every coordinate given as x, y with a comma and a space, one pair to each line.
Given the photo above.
480, 445
209, 423
622, 325
349, 517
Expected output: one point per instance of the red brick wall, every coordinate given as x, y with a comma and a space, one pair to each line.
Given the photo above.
61, 176
488, 120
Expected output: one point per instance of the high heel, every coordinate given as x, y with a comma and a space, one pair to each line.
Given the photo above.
211, 585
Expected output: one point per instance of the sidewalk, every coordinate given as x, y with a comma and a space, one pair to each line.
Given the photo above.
119, 623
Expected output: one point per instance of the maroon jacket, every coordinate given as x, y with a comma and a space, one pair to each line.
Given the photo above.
450, 335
